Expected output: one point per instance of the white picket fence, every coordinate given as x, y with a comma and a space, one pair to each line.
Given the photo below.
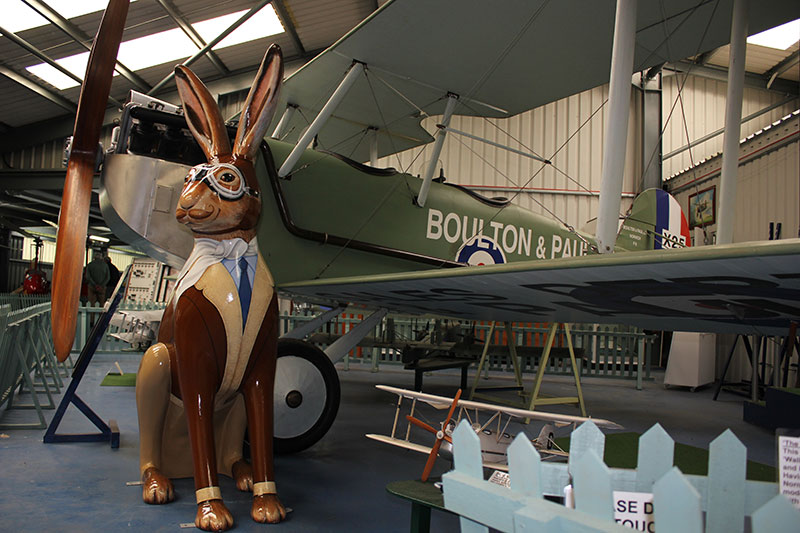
719, 502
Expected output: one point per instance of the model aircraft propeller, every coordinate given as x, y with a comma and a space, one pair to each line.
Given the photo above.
73, 219
427, 427
440, 437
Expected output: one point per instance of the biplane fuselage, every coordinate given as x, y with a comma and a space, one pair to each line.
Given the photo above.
334, 217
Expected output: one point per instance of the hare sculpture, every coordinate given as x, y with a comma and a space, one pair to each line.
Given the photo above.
210, 375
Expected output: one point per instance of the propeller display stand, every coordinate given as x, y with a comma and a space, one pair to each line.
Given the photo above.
108, 432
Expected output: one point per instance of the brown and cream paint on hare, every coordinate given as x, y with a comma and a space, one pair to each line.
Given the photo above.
211, 374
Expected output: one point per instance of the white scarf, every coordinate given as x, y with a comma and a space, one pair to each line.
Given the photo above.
207, 252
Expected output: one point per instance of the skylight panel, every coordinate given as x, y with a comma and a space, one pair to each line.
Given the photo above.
17, 16
168, 46
780, 37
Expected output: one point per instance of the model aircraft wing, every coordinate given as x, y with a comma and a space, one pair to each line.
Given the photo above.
400, 443
739, 288
437, 401
500, 58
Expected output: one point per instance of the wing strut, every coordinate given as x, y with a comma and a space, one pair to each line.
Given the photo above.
437, 149
619, 94
286, 118
327, 110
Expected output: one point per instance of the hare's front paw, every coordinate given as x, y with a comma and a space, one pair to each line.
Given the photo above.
267, 509
213, 516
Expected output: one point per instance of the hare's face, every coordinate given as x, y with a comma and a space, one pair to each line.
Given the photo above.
216, 198
220, 198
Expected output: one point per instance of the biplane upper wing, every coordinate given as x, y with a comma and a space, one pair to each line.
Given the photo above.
500, 58
441, 401
739, 288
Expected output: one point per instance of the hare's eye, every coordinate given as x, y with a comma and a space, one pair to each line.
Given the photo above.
227, 177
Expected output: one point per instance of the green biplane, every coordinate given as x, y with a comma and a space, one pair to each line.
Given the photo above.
336, 231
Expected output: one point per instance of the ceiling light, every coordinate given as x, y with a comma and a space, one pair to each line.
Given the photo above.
17, 16
98, 238
780, 37
167, 46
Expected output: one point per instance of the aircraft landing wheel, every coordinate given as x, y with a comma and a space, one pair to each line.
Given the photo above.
306, 395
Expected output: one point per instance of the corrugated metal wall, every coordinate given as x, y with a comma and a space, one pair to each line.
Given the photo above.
704, 108
769, 191
49, 155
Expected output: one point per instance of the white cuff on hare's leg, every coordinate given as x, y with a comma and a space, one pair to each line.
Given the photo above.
208, 493
264, 487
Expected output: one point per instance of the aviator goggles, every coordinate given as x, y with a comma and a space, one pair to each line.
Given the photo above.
221, 178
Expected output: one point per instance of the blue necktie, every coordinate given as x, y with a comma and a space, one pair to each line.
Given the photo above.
244, 290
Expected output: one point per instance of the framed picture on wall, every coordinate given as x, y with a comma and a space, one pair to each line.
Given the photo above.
703, 207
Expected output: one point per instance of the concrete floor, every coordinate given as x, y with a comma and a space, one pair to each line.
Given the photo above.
336, 485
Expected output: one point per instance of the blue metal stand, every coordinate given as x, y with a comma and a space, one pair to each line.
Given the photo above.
108, 432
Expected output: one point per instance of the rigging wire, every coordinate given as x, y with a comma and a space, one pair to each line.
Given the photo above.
569, 228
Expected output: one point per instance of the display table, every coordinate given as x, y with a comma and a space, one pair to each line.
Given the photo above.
423, 498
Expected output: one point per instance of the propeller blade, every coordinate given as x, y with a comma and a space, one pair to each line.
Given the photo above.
423, 425
431, 459
73, 219
419, 423
452, 408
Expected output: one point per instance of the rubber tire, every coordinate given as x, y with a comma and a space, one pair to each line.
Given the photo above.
315, 356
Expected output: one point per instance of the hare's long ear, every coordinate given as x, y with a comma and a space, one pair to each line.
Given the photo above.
260, 105
202, 114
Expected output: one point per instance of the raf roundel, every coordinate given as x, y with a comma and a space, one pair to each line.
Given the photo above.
480, 250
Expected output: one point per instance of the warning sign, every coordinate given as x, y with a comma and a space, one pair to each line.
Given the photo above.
634, 510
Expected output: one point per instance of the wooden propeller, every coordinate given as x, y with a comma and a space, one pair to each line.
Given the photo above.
73, 219
436, 445
427, 427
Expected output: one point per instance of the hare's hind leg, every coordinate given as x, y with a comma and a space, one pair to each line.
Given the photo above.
152, 401
257, 386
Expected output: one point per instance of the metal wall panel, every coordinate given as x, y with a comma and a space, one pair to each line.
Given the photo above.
768, 187
702, 103
769, 191
49, 155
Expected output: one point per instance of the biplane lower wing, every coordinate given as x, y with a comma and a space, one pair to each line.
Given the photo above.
739, 288
408, 445
413, 446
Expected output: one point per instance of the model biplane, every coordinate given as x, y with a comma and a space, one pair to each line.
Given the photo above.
336, 231
490, 422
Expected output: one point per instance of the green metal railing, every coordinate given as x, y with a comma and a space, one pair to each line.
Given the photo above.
22, 301
608, 350
28, 366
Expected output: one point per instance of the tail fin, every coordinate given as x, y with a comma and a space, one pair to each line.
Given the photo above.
655, 221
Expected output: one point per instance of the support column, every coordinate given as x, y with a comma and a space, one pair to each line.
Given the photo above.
651, 132
619, 95
437, 150
733, 118
327, 110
